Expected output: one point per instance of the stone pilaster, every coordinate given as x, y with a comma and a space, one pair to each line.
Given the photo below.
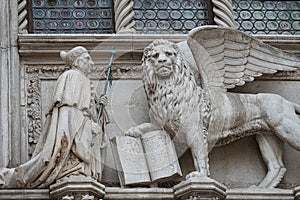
199, 188
10, 140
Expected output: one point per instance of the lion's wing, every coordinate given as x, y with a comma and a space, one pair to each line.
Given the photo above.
226, 58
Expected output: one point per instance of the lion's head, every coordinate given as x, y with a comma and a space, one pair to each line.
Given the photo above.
161, 60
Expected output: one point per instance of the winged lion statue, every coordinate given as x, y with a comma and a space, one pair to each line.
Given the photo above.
186, 85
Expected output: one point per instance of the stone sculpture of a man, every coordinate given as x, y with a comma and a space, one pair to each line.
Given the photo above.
64, 148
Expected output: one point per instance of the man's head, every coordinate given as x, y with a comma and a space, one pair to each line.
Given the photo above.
78, 58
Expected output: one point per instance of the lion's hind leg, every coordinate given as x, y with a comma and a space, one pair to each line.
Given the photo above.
271, 148
281, 117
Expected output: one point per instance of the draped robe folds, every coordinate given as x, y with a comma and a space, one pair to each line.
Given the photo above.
64, 147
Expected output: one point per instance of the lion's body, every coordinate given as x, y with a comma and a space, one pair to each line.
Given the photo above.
205, 117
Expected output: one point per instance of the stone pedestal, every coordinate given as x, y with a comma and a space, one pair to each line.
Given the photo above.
199, 188
77, 188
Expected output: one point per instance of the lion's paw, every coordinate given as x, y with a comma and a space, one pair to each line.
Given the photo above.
254, 187
133, 132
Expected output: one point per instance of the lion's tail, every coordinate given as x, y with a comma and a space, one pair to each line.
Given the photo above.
297, 108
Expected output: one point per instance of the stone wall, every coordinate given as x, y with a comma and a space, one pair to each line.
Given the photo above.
41, 65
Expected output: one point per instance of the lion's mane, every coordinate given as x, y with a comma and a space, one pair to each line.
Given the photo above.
169, 98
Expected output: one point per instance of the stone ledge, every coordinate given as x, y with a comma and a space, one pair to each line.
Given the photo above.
115, 193
129, 47
24, 194
259, 194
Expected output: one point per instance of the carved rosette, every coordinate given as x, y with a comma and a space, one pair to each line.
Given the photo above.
223, 13
22, 16
124, 22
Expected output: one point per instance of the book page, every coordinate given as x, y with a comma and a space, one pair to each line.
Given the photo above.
130, 160
161, 156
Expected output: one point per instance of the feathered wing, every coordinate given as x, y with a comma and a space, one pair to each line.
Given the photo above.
226, 58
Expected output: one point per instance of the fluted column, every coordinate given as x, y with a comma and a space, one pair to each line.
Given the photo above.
223, 13
124, 22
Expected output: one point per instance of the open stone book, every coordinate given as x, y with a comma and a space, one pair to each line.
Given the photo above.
146, 159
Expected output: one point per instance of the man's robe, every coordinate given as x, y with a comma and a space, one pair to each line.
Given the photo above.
64, 147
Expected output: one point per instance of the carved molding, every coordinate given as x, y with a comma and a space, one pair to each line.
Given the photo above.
124, 22
22, 16
223, 13
54, 71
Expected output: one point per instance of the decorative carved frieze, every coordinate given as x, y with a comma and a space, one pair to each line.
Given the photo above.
33, 110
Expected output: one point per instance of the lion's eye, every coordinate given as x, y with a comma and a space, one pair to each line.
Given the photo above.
168, 53
155, 55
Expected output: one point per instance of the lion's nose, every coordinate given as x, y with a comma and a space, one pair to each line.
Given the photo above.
162, 58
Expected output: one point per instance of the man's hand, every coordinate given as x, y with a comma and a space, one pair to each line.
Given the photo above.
96, 128
103, 100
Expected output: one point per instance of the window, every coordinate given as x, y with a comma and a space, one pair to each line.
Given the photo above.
170, 16
71, 16
267, 17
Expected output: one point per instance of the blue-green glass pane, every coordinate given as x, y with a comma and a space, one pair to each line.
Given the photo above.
169, 16
267, 17
72, 16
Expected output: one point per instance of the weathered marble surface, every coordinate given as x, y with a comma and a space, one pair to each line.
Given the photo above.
148, 159
63, 148
186, 86
243, 154
11, 141
129, 88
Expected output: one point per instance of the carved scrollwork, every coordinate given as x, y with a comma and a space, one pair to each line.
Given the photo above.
33, 111
118, 72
